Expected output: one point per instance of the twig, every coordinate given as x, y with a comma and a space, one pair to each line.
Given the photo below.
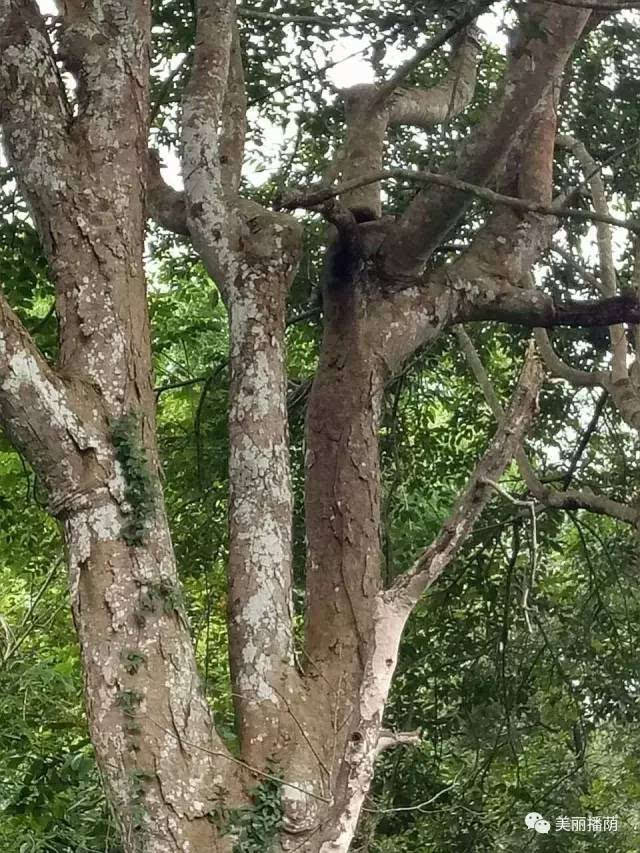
304, 734
12, 649
531, 505
184, 383
430, 47
43, 320
238, 761
164, 89
314, 20
418, 806
322, 194
198, 418
584, 441
321, 71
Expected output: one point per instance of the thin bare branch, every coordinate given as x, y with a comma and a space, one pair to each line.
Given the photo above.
313, 20
619, 372
567, 499
434, 560
532, 308
418, 806
228, 757
390, 739
429, 48
317, 196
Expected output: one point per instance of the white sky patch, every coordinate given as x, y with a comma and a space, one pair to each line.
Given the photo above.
352, 68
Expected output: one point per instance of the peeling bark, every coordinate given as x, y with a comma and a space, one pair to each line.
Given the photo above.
83, 165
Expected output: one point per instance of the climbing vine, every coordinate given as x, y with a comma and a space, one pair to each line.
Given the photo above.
133, 660
255, 827
139, 493
138, 780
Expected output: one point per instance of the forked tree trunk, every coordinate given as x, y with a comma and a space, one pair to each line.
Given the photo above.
310, 722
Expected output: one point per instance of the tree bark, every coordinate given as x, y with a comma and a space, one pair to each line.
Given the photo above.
87, 425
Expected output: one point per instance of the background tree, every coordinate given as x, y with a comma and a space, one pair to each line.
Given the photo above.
454, 245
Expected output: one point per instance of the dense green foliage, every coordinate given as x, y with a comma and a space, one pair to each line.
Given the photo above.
516, 713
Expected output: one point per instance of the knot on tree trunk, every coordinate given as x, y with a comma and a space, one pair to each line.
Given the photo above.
299, 809
70, 503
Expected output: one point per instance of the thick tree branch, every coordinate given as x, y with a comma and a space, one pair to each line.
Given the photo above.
585, 438
30, 87
570, 499
535, 309
39, 413
477, 287
572, 262
559, 368
165, 205
260, 501
363, 148
427, 107
342, 518
207, 85
105, 46
82, 185
485, 282
211, 222
252, 254
234, 120
368, 119
533, 72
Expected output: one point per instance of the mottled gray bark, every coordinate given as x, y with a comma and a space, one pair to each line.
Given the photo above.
83, 165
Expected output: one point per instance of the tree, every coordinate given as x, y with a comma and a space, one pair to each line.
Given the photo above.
308, 712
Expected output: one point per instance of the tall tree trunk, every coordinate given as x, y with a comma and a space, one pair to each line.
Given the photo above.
311, 724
